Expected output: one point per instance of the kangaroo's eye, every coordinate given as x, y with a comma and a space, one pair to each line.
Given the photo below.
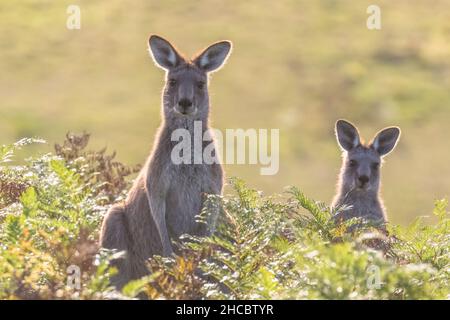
375, 166
172, 82
200, 85
353, 163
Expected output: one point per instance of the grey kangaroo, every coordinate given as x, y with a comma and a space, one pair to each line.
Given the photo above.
166, 197
359, 180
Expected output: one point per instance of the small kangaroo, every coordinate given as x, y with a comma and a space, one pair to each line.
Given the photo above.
166, 197
359, 180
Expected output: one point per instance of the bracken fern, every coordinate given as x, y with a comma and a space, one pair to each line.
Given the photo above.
279, 247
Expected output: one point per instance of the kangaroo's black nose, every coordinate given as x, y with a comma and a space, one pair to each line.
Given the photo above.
363, 179
185, 103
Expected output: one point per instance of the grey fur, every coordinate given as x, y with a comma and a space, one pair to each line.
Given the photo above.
358, 187
165, 197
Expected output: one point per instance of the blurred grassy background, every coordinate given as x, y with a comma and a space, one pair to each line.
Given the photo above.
296, 65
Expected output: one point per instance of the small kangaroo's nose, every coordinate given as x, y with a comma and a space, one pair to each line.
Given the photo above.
363, 179
185, 103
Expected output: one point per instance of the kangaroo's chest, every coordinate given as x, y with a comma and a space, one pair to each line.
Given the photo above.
185, 198
369, 209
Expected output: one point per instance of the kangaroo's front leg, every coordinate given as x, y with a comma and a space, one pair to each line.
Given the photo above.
211, 202
156, 195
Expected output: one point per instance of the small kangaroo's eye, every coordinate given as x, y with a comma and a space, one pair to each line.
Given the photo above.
375, 165
172, 82
200, 85
353, 163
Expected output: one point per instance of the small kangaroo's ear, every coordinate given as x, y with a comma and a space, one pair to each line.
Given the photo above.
386, 140
347, 135
213, 57
163, 53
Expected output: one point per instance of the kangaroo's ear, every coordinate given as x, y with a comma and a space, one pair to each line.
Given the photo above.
213, 57
386, 140
163, 53
347, 135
